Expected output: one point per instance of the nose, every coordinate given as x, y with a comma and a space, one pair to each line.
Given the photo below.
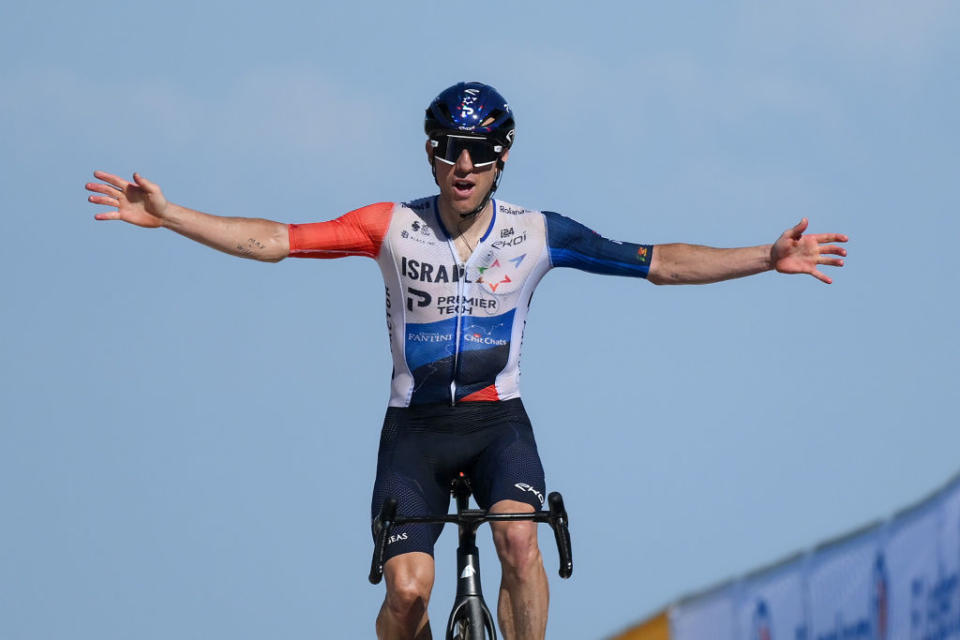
464, 161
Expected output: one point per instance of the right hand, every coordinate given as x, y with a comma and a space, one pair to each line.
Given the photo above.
139, 202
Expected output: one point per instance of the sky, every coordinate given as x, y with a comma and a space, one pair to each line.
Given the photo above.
188, 440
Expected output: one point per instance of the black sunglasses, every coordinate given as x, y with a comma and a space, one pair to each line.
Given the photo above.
483, 151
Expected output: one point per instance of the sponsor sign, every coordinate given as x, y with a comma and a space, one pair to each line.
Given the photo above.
896, 581
771, 606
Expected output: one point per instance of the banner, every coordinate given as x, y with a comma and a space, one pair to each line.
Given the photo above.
848, 585
708, 616
896, 580
773, 605
911, 554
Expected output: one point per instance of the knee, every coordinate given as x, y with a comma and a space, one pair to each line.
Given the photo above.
408, 590
516, 544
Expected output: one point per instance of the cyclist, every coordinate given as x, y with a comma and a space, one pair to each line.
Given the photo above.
460, 268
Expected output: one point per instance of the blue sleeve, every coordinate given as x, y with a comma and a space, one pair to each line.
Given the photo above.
573, 245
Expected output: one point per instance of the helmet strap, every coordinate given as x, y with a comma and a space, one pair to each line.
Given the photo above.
486, 199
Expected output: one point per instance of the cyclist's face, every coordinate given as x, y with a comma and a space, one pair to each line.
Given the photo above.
462, 185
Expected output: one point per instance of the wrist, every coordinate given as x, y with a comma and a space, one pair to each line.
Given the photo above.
171, 216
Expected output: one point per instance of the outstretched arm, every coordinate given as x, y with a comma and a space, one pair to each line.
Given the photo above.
142, 203
793, 252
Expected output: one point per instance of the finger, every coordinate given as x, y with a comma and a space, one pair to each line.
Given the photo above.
107, 215
830, 237
106, 200
833, 249
797, 231
832, 262
145, 184
109, 178
821, 277
99, 187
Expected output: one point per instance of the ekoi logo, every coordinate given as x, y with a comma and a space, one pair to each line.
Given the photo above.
523, 486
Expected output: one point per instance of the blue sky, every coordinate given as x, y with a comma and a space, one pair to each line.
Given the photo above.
188, 440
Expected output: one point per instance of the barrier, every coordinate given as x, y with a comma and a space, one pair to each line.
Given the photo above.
898, 579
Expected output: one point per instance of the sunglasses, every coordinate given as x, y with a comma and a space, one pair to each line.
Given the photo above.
483, 151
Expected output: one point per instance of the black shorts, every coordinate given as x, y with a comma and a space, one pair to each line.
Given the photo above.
424, 447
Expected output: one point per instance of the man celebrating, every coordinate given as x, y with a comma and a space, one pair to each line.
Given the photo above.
460, 269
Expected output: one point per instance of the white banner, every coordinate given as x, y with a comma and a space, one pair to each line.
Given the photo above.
911, 553
772, 606
710, 616
942, 618
848, 587
898, 581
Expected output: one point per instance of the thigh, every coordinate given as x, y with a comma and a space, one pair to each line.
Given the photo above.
509, 467
411, 478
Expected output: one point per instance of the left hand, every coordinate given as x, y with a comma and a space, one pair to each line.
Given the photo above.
794, 252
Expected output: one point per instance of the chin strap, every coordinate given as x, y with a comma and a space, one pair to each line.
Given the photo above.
486, 199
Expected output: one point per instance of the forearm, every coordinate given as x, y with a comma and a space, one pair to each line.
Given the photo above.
253, 238
696, 264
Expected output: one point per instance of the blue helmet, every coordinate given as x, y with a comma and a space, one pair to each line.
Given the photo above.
471, 107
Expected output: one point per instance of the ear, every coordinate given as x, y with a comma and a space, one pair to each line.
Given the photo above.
506, 154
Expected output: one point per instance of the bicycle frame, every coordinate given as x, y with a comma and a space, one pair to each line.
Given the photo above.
470, 617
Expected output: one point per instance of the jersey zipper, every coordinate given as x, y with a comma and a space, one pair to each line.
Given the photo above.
461, 285
456, 343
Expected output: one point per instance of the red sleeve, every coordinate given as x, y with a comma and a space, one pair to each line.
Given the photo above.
358, 233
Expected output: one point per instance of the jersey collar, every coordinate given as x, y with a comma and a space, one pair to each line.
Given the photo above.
436, 211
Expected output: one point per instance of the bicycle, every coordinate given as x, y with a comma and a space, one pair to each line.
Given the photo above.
470, 618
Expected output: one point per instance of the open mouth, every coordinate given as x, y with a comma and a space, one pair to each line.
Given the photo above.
463, 188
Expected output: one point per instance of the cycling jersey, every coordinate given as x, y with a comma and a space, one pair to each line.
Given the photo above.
456, 326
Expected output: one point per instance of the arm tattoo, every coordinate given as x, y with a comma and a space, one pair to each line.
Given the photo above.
251, 249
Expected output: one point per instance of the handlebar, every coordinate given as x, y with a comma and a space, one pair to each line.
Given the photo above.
556, 517
381, 527
558, 522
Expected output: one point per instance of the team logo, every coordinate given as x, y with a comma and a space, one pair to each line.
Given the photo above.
466, 105
880, 599
496, 274
643, 254
421, 298
762, 626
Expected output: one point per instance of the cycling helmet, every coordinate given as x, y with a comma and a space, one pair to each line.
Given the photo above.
471, 107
